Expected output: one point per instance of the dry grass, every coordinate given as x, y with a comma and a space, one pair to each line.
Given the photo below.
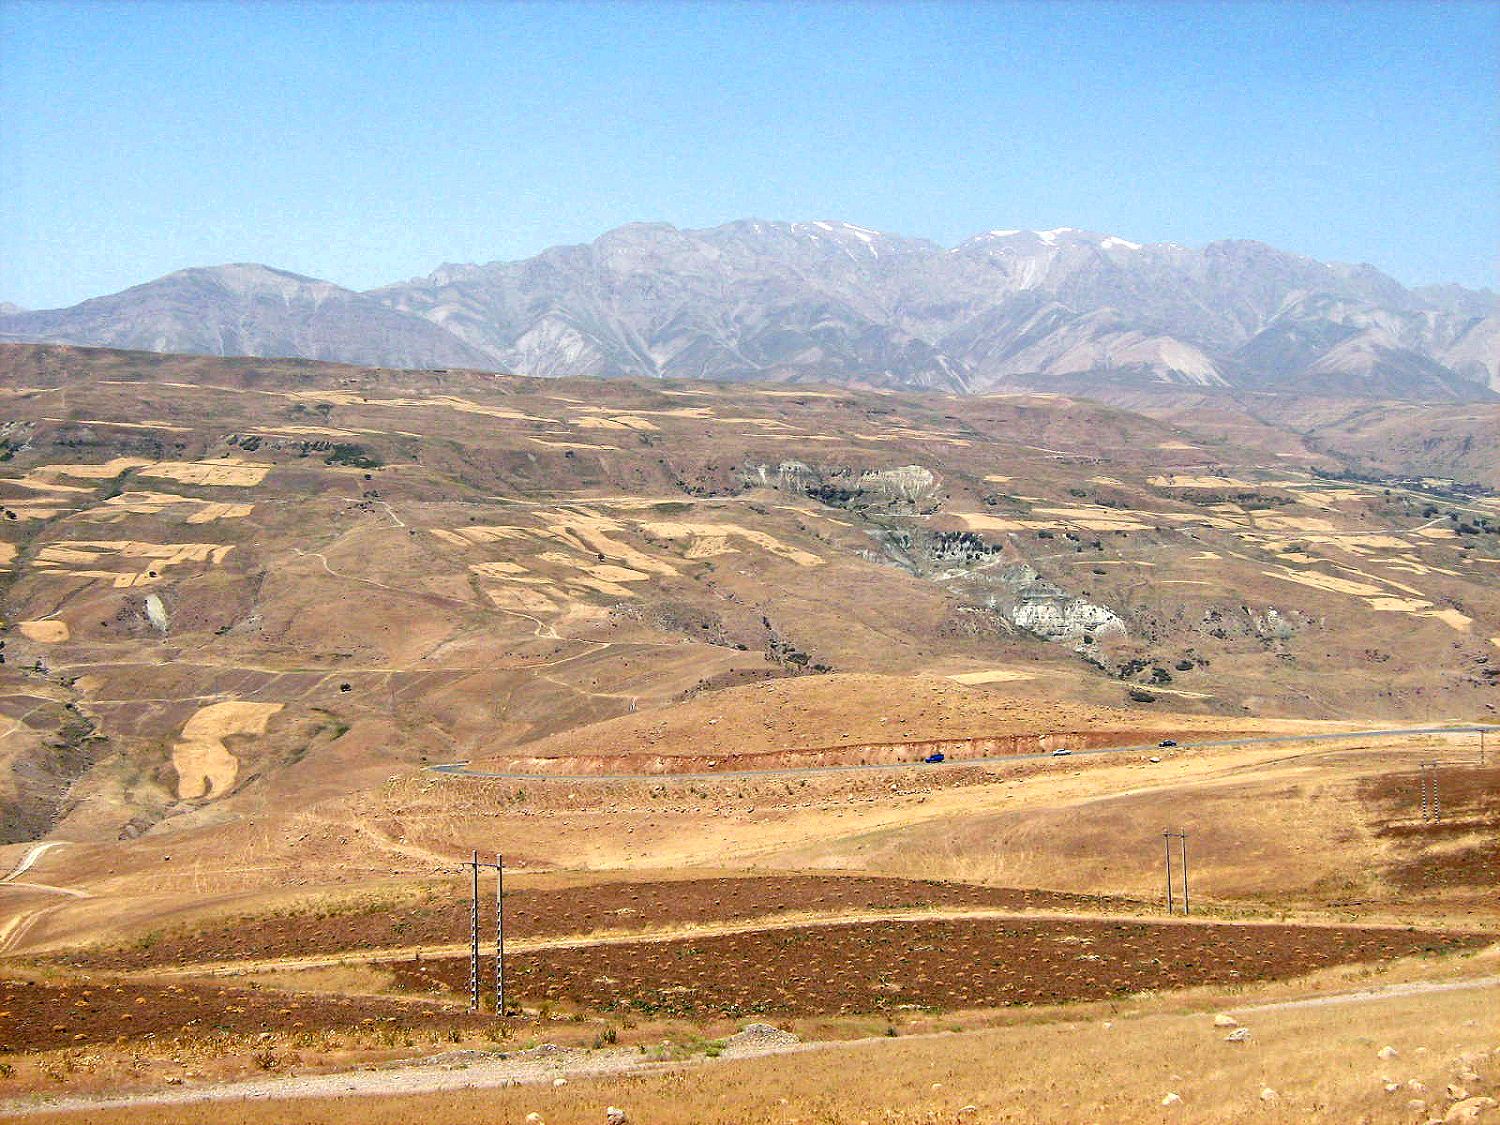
1322, 1064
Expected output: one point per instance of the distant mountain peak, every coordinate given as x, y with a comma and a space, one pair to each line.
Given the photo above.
1055, 237
832, 301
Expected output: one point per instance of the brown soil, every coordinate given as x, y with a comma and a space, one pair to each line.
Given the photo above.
40, 1016
441, 915
949, 964
1470, 805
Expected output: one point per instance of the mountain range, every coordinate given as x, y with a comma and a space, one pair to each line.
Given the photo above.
831, 302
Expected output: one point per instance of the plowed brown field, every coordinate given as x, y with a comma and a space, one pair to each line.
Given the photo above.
441, 916
948, 964
1464, 843
40, 1016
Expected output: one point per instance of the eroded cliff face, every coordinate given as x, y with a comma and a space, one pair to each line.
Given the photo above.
1049, 611
842, 486
892, 505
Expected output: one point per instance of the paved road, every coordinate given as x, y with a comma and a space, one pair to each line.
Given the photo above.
461, 769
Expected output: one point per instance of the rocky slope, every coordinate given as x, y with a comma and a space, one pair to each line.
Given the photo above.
278, 581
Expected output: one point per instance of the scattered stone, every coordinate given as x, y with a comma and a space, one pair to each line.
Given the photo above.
1456, 1093
1416, 1086
759, 1038
1267, 1094
1224, 1019
1416, 1105
559, 1082
1172, 1099
614, 1116
1387, 1053
1238, 1035
967, 1110
1392, 1087
535, 1119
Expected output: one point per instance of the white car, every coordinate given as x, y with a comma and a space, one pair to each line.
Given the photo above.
1058, 753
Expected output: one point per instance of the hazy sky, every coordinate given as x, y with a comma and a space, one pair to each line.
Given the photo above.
368, 142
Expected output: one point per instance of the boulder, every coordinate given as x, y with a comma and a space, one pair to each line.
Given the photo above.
1387, 1053
614, 1116
1224, 1019
1470, 1109
1172, 1099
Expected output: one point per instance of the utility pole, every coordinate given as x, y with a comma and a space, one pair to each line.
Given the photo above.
1432, 805
1166, 838
1181, 838
499, 934
475, 972
474, 933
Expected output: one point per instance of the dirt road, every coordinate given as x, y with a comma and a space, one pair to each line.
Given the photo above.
461, 769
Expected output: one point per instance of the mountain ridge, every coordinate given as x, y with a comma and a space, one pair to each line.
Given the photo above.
827, 301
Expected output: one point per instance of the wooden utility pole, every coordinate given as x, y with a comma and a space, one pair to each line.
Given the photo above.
1186, 909
1181, 838
1166, 839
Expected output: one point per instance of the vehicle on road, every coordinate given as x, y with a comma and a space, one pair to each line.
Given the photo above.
934, 758
1166, 742
1060, 751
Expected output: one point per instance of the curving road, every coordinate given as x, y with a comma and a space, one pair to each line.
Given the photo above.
461, 769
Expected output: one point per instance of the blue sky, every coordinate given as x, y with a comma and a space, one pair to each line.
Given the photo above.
369, 142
